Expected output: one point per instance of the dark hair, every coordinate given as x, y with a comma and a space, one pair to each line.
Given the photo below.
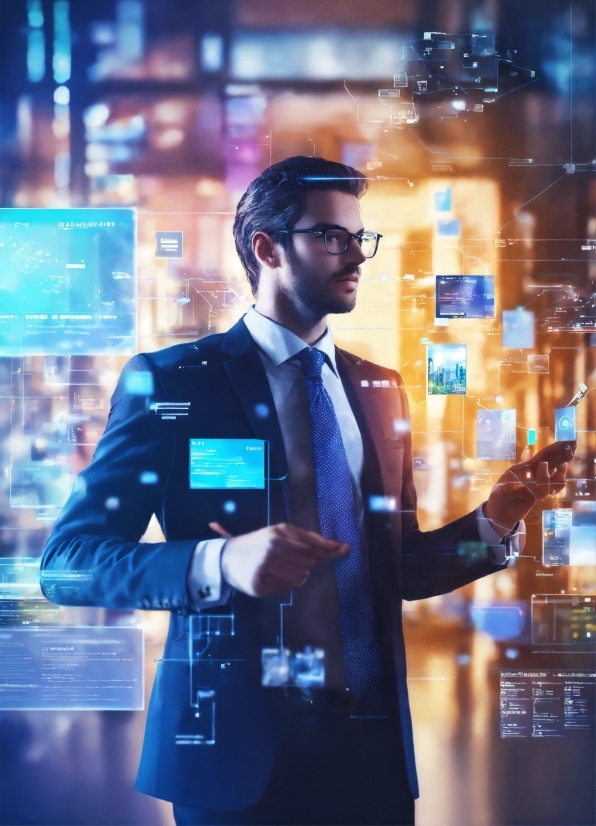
275, 201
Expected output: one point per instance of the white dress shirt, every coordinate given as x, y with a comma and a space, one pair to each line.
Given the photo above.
278, 348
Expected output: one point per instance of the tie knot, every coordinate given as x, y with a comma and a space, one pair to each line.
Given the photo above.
312, 361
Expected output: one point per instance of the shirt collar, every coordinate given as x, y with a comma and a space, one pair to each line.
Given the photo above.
280, 344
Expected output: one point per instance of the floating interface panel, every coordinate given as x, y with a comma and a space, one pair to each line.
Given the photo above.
495, 434
67, 281
21, 599
518, 330
282, 667
569, 535
446, 369
566, 424
540, 703
465, 296
564, 623
62, 667
227, 463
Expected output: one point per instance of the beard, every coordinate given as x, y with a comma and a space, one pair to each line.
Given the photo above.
316, 296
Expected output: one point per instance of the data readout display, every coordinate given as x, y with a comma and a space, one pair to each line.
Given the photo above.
227, 464
65, 667
564, 623
495, 434
544, 703
67, 281
569, 535
465, 296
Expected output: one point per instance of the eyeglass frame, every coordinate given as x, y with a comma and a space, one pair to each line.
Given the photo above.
358, 236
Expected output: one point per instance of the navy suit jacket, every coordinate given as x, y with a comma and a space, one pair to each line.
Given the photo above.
223, 379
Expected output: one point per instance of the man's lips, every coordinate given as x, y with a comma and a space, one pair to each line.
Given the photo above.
349, 277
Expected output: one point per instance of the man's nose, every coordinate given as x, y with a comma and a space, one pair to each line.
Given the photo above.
354, 252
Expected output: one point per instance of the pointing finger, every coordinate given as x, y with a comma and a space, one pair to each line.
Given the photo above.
320, 544
215, 526
541, 487
542, 474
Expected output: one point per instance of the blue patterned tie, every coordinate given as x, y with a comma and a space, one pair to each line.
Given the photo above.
337, 516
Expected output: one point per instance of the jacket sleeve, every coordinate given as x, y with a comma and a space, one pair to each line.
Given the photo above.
93, 556
436, 562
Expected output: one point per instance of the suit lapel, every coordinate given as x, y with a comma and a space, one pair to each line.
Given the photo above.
378, 477
367, 416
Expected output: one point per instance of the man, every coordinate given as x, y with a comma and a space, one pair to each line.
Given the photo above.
305, 561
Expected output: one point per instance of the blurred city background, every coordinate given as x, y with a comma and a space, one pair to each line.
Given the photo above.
172, 107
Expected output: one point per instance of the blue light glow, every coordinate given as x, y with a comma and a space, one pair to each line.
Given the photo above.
61, 63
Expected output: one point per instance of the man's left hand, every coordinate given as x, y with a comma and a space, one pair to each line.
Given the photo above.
524, 484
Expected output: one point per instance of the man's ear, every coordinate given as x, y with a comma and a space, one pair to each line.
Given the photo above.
266, 250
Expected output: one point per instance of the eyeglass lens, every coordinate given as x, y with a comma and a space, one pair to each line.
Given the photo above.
338, 240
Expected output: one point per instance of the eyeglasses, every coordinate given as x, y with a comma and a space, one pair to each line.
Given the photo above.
338, 239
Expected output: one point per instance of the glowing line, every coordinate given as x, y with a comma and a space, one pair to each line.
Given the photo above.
530, 201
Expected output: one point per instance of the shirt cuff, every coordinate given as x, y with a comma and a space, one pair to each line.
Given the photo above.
205, 582
500, 548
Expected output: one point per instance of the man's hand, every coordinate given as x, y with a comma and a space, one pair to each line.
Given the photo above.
518, 490
275, 558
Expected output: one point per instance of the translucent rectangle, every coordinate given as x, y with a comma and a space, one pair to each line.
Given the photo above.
67, 281
56, 371
546, 703
446, 373
580, 489
19, 579
333, 54
21, 599
382, 504
518, 329
29, 612
496, 434
205, 718
500, 621
449, 228
483, 44
564, 623
72, 668
465, 296
304, 669
569, 535
169, 244
566, 424
227, 463
556, 536
207, 626
139, 383
443, 200
40, 485
538, 363
373, 113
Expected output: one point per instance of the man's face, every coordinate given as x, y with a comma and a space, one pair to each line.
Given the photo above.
312, 278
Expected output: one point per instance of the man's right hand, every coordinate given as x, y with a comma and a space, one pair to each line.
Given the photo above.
275, 558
